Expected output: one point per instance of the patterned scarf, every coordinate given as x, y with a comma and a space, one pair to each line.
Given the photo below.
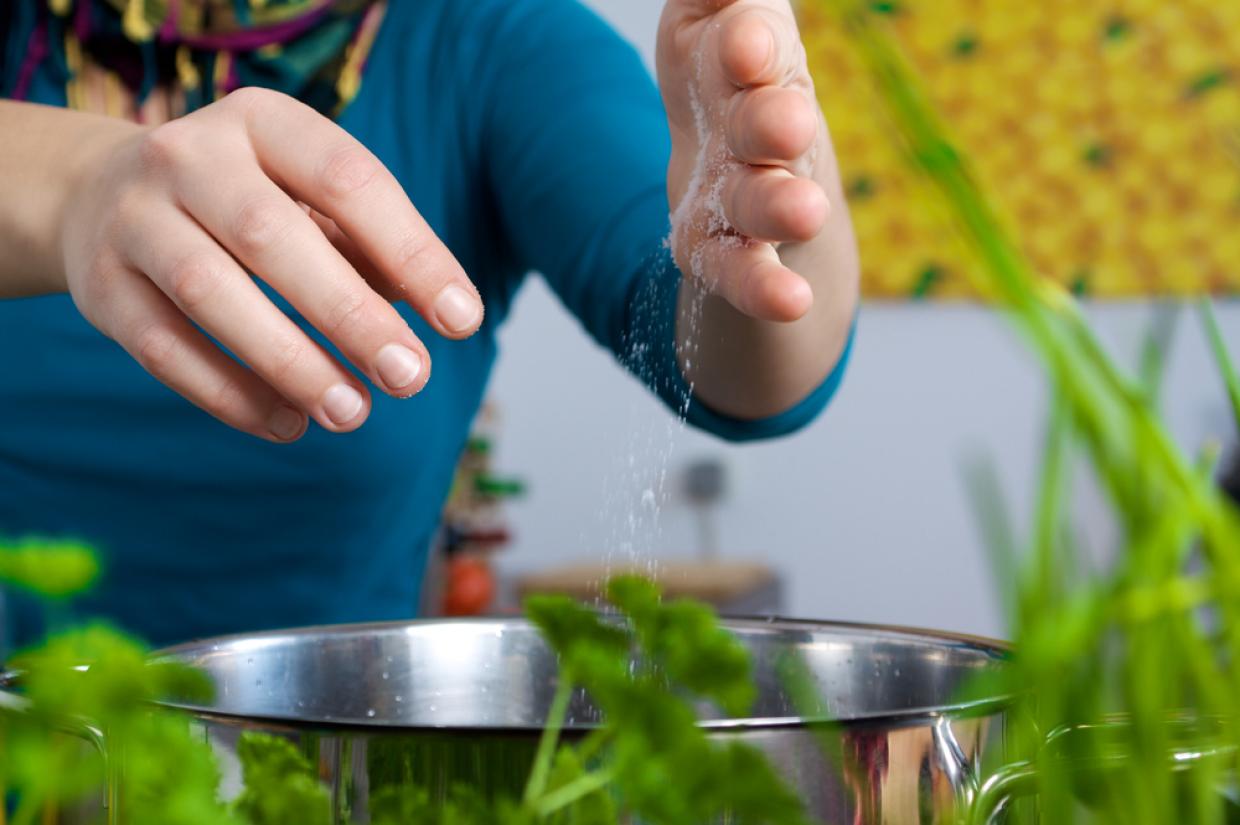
153, 60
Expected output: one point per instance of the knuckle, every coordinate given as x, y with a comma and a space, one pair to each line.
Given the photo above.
227, 400
346, 314
413, 254
286, 356
259, 225
166, 145
249, 98
129, 208
347, 170
192, 281
155, 346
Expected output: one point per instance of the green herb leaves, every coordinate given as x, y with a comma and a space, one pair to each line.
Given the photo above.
648, 668
1144, 645
643, 673
53, 569
280, 784
88, 719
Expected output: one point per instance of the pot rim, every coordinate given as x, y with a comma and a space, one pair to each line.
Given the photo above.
996, 649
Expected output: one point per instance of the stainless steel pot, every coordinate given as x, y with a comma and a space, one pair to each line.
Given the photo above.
444, 701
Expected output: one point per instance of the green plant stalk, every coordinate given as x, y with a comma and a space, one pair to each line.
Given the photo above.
593, 744
1039, 307
1154, 351
1049, 516
550, 738
1089, 379
1083, 653
579, 788
1221, 357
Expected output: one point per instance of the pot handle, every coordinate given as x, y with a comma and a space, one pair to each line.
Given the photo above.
9, 701
1020, 778
997, 792
957, 767
12, 702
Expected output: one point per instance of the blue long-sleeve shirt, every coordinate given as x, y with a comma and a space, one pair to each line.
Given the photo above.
530, 137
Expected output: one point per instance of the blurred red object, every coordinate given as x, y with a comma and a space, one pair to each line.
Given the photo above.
469, 586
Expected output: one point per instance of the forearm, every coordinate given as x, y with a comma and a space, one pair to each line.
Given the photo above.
44, 150
749, 368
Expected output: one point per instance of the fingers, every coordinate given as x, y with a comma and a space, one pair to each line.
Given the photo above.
759, 46
749, 276
331, 171
771, 126
209, 287
360, 263
152, 330
280, 243
752, 153
769, 204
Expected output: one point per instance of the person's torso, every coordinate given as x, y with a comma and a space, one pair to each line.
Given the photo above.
203, 529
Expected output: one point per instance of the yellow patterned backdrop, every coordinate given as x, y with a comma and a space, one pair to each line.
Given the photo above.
1108, 133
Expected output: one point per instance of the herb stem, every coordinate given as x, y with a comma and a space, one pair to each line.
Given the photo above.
1161, 635
1221, 357
593, 744
550, 738
573, 791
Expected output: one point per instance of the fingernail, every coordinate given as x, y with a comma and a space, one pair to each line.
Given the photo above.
285, 423
342, 403
457, 309
398, 366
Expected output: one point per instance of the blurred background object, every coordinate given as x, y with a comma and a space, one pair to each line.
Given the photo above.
1108, 132
705, 487
864, 516
734, 588
460, 579
738, 587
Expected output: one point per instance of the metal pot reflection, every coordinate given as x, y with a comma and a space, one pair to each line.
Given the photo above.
440, 702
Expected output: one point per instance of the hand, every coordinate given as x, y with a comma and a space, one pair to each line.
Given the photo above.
164, 225
746, 173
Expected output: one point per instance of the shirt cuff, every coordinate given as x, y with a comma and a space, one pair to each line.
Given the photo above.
649, 352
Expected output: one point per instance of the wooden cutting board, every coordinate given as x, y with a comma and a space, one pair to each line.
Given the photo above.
715, 582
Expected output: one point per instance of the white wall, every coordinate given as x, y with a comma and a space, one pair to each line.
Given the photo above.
864, 513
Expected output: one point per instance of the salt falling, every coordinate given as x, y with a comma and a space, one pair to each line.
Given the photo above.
634, 492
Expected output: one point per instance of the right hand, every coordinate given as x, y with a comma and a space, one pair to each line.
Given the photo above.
165, 223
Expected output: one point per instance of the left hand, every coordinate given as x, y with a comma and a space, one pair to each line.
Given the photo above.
750, 153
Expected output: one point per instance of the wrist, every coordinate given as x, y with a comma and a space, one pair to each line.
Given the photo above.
76, 188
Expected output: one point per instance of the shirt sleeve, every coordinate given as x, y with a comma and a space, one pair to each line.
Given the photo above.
576, 145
